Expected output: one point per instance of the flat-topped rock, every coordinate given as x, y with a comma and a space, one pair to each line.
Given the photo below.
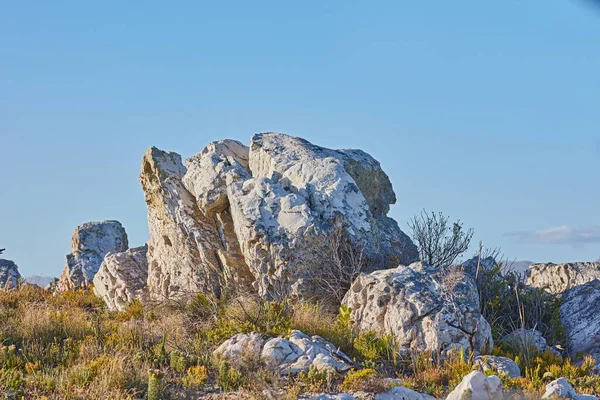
558, 278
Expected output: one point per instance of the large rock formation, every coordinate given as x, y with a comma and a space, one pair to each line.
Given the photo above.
9, 274
558, 278
425, 308
261, 216
91, 242
122, 278
580, 316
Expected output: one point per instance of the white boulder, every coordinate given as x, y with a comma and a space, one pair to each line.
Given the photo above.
424, 308
287, 356
478, 386
561, 388
122, 278
90, 243
502, 366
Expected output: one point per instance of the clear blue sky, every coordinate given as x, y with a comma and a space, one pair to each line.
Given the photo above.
488, 111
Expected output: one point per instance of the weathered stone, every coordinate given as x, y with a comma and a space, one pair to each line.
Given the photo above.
339, 396
503, 366
425, 308
122, 278
477, 386
287, 356
580, 316
182, 256
475, 266
9, 274
562, 389
558, 278
402, 393
301, 352
521, 339
241, 345
262, 215
91, 242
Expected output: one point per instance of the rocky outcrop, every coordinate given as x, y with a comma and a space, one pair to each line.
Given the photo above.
9, 274
502, 366
287, 356
91, 242
580, 317
260, 216
122, 278
186, 253
477, 386
562, 389
558, 278
425, 308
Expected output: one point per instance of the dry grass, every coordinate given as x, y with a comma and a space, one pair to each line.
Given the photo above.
69, 346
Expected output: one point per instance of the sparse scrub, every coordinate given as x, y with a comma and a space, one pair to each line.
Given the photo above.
69, 346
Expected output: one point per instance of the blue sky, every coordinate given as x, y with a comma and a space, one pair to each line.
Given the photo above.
487, 111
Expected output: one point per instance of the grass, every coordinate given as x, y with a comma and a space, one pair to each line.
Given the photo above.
69, 346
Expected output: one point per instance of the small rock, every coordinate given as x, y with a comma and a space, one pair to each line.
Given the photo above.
326, 396
562, 389
500, 365
403, 393
241, 345
477, 386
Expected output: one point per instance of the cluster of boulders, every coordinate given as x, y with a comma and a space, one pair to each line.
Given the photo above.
263, 218
298, 353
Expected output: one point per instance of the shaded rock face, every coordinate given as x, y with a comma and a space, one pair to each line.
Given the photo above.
122, 278
475, 266
91, 242
425, 308
286, 356
521, 339
9, 274
259, 216
558, 278
580, 316
503, 366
